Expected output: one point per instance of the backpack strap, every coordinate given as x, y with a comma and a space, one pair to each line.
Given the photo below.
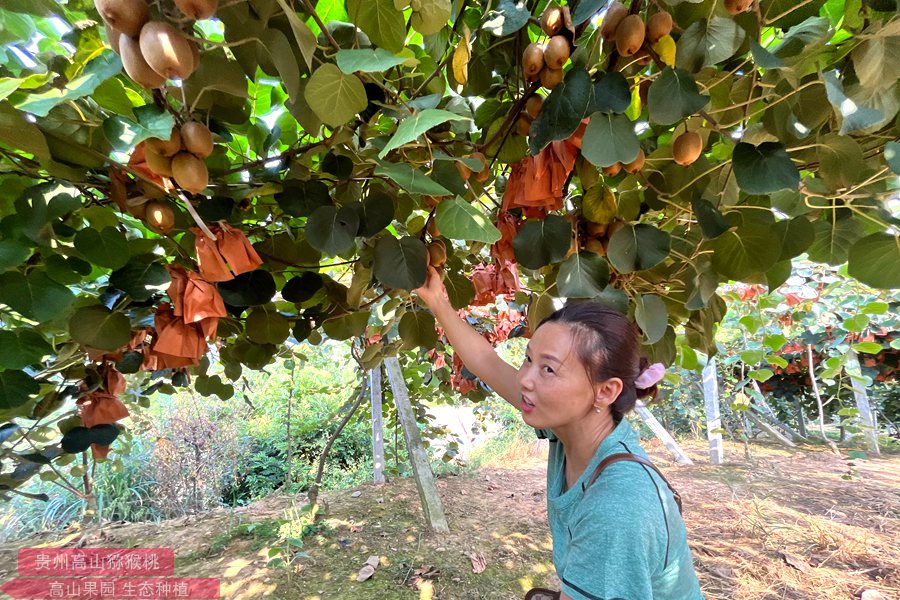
613, 458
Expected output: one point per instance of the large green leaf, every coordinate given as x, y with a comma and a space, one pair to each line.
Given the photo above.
541, 242
415, 125
637, 248
98, 327
745, 251
381, 21
248, 289
35, 295
460, 290
346, 326
609, 139
712, 223
267, 326
411, 179
796, 236
833, 239
582, 275
892, 156
416, 329
19, 133
334, 96
841, 161
875, 260
16, 388
306, 39
151, 121
563, 110
276, 44
12, 254
652, 316
332, 230
764, 169
599, 204
107, 248
611, 94
674, 96
429, 16
97, 71
21, 348
401, 263
142, 277
509, 17
459, 220
301, 198
375, 213
367, 60
707, 42
853, 116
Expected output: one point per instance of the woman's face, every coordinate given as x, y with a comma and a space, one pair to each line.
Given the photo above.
555, 389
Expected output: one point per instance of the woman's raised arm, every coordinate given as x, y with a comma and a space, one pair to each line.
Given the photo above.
475, 351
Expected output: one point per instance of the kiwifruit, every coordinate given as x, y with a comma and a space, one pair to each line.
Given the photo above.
630, 35
552, 20
642, 57
432, 227
614, 227
135, 65
556, 53
485, 172
159, 164
197, 9
612, 170
610, 23
169, 147
437, 254
644, 89
112, 34
464, 171
523, 124
596, 230
637, 164
137, 207
190, 172
159, 216
735, 7
166, 50
687, 148
534, 104
550, 78
149, 190
197, 139
195, 53
658, 25
596, 246
128, 16
533, 61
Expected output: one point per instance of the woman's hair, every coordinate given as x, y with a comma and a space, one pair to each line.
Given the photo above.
608, 345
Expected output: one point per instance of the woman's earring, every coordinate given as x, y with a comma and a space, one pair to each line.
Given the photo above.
598, 410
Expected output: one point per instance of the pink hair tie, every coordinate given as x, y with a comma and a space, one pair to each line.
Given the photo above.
650, 376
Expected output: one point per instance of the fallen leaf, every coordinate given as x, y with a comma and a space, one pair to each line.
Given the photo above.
795, 561
368, 568
478, 562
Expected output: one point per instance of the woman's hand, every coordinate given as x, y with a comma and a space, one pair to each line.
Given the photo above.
433, 291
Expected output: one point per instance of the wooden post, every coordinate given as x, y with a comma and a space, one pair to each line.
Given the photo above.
771, 430
680, 457
713, 416
428, 492
768, 414
377, 424
870, 431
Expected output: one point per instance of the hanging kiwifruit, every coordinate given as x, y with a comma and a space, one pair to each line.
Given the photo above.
612, 170
534, 104
735, 7
630, 35
197, 139
642, 57
485, 171
611, 20
596, 230
533, 61
169, 147
659, 25
159, 216
552, 20
644, 89
432, 227
550, 78
197, 9
166, 50
112, 34
190, 172
128, 16
464, 171
637, 164
437, 254
523, 124
596, 246
195, 53
687, 148
159, 164
556, 53
614, 227
137, 206
135, 65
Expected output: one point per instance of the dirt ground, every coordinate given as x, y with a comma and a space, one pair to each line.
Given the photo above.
802, 524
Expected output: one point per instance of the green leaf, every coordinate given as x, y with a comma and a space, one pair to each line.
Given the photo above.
796, 236
652, 316
346, 326
460, 290
381, 21
375, 213
415, 125
752, 357
509, 17
276, 44
459, 220
417, 329
582, 275
764, 169
586, 9
35, 295
267, 326
302, 287
775, 341
763, 58
248, 289
506, 148
875, 261
745, 251
707, 42
778, 274
334, 96
107, 248
400, 263
430, 17
892, 156
367, 60
301, 198
833, 240
854, 117
152, 122
841, 161
868, 347
19, 133
332, 230
637, 248
541, 242
609, 139
12, 254
16, 388
674, 96
411, 179
563, 110
712, 223
875, 308
856, 323
142, 277
21, 348
95, 72
611, 94
599, 204
306, 39
761, 374
98, 327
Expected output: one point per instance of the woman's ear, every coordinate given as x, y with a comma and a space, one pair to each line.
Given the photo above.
607, 392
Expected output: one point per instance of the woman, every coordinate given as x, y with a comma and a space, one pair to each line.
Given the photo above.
616, 535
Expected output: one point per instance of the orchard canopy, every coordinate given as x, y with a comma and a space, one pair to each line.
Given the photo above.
189, 188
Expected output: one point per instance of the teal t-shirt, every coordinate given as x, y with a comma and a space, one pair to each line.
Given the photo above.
621, 538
